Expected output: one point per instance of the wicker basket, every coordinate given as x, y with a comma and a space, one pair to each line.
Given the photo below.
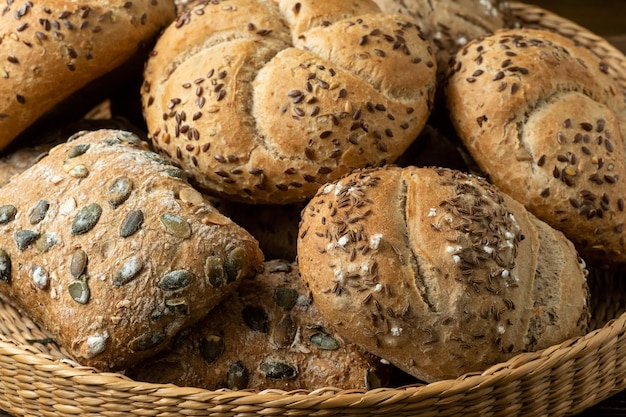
37, 377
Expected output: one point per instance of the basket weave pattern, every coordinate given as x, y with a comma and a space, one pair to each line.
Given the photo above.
37, 378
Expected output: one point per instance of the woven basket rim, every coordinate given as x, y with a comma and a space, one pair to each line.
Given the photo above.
466, 394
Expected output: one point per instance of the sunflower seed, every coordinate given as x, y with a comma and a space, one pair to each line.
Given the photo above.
127, 272
5, 266
175, 280
119, 191
237, 376
285, 297
146, 341
23, 238
277, 370
132, 223
7, 213
178, 305
211, 348
78, 263
38, 212
86, 219
176, 226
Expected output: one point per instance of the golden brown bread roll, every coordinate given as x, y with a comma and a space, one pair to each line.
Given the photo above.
545, 119
107, 247
437, 271
51, 50
261, 103
268, 334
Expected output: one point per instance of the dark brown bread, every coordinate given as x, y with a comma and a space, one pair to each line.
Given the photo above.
438, 271
545, 119
261, 103
54, 48
110, 249
268, 334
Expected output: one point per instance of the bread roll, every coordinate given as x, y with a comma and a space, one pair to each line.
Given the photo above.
545, 119
107, 247
262, 104
51, 50
268, 334
450, 24
437, 271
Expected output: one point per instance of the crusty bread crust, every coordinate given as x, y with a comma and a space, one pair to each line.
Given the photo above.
105, 245
261, 103
554, 143
437, 271
51, 50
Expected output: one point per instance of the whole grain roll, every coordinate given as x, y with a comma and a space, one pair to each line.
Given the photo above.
110, 249
545, 118
450, 24
262, 103
438, 271
52, 49
267, 335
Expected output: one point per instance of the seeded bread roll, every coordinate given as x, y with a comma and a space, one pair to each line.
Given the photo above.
450, 24
54, 49
545, 119
107, 247
437, 271
260, 103
268, 334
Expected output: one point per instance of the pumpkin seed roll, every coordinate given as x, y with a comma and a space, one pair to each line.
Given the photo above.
268, 334
263, 102
110, 249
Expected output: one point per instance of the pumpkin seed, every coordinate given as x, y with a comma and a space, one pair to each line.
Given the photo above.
78, 150
324, 341
277, 370
176, 226
285, 297
233, 264
284, 332
5, 266
237, 376
45, 242
214, 271
211, 348
155, 158
38, 212
79, 291
146, 341
176, 280
127, 272
128, 137
7, 213
24, 238
86, 219
132, 223
176, 173
79, 171
178, 305
119, 191
255, 318
78, 263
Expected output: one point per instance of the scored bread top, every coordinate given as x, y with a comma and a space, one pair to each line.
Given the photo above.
545, 119
52, 49
108, 247
264, 103
437, 271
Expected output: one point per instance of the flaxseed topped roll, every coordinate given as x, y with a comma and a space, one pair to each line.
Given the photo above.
263, 103
106, 245
437, 271
545, 119
54, 48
